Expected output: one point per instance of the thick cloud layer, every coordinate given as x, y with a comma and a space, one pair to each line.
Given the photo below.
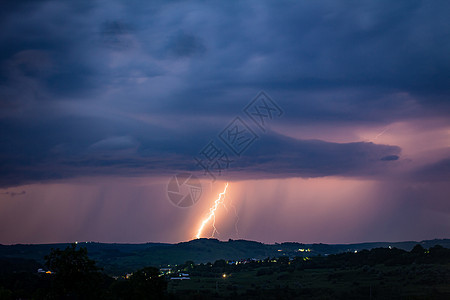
127, 87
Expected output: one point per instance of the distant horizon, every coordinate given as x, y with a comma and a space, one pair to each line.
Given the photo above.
241, 239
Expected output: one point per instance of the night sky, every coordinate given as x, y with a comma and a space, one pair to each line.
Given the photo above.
102, 102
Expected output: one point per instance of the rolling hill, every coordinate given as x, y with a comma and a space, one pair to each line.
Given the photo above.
117, 259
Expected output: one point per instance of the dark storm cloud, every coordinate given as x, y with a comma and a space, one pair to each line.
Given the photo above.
185, 45
116, 34
135, 88
13, 194
390, 157
439, 171
148, 151
278, 156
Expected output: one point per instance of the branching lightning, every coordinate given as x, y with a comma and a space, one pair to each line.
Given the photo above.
378, 135
212, 213
237, 221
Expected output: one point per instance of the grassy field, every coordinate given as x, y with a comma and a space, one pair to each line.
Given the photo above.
376, 282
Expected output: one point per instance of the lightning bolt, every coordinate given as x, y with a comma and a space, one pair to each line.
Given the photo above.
237, 220
378, 135
212, 213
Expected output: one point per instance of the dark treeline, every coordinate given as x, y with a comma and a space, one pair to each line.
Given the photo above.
384, 256
71, 274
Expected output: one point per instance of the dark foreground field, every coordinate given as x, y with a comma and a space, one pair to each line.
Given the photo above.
294, 273
297, 281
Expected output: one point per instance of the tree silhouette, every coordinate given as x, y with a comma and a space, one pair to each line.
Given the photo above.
418, 249
75, 275
147, 283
